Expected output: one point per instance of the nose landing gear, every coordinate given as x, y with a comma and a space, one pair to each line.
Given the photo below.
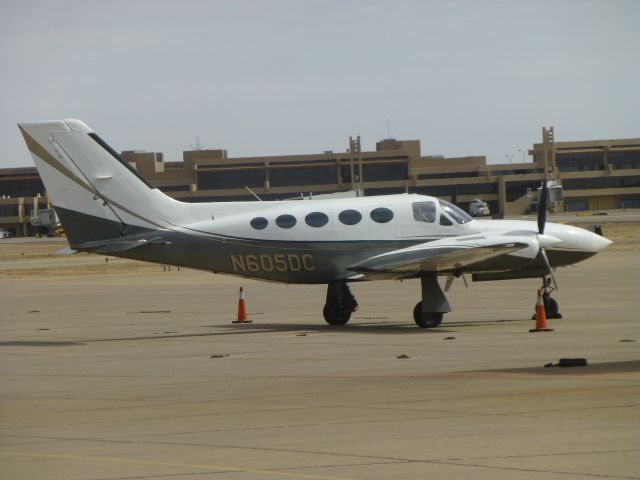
550, 305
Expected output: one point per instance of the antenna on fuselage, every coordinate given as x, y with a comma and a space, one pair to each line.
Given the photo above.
253, 193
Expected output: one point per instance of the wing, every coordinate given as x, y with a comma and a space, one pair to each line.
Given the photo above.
453, 254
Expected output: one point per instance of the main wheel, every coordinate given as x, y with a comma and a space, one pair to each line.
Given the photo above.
426, 319
335, 314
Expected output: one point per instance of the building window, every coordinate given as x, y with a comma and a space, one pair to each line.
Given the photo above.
21, 187
316, 219
488, 188
370, 192
624, 160
381, 215
350, 217
601, 182
384, 172
424, 212
259, 223
297, 175
575, 162
286, 221
515, 190
226, 179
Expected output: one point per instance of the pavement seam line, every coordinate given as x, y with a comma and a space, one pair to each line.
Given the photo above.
171, 464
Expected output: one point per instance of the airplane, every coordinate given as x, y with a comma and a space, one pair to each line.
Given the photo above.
107, 207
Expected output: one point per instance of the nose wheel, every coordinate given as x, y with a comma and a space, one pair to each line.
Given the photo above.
426, 319
429, 312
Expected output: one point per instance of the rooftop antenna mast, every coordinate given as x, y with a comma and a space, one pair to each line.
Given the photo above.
389, 129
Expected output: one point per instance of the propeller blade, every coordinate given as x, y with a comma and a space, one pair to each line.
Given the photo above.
450, 279
542, 207
546, 260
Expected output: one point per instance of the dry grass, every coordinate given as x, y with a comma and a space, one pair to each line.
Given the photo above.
19, 260
625, 236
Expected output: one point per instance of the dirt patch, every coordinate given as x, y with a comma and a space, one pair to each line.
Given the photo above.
31, 250
625, 236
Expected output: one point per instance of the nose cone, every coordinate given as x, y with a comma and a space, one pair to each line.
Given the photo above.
578, 239
598, 242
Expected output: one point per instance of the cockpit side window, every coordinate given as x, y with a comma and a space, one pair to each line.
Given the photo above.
454, 212
445, 221
424, 212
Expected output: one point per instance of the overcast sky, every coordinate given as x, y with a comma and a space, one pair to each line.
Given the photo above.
261, 77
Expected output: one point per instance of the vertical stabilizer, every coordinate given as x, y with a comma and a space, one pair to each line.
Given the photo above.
96, 194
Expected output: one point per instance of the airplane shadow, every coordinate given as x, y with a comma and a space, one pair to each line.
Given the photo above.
299, 329
351, 328
306, 328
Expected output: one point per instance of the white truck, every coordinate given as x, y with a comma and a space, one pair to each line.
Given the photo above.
478, 208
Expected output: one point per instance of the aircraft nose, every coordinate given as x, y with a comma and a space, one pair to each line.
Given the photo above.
591, 242
579, 239
598, 242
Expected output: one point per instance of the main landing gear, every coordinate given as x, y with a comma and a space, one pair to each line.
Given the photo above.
550, 305
340, 303
428, 313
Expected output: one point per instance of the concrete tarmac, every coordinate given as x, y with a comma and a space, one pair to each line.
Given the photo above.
143, 376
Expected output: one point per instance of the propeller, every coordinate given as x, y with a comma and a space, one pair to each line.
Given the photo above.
542, 208
542, 220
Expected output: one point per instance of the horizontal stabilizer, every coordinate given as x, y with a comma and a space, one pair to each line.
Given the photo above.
118, 245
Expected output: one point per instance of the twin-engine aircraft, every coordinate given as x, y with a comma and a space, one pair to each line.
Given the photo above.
107, 207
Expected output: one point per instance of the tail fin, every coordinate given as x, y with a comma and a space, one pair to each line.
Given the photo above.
96, 194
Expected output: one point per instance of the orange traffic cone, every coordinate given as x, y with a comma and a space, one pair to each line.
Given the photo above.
541, 316
242, 309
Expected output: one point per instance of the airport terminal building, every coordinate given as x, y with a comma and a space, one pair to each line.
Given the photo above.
594, 174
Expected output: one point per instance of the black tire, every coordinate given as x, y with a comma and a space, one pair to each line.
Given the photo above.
426, 319
551, 308
336, 315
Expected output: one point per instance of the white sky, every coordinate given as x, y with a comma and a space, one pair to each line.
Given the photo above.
261, 77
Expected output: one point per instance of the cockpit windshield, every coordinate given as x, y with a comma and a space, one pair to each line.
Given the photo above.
456, 213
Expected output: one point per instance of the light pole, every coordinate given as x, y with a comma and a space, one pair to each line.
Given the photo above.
523, 151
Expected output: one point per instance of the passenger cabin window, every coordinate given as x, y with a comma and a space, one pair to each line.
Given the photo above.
456, 213
381, 215
445, 221
316, 219
424, 212
259, 223
350, 217
286, 221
